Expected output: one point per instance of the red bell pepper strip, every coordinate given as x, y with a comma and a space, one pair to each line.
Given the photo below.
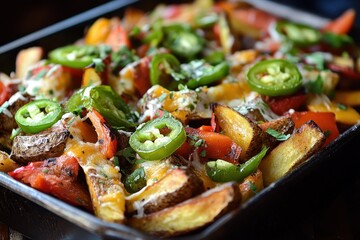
256, 18
117, 37
106, 137
172, 11
325, 120
346, 73
206, 128
280, 105
57, 177
142, 76
214, 125
3, 93
209, 145
105, 74
342, 24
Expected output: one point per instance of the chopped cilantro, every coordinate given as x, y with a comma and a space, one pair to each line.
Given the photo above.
162, 97
128, 153
315, 86
317, 59
99, 64
327, 133
279, 136
135, 31
182, 87
116, 161
203, 153
199, 143
21, 88
40, 75
252, 187
121, 58
14, 133
341, 106
191, 107
4, 106
242, 109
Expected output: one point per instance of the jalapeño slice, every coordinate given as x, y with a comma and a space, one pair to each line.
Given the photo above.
38, 115
158, 138
299, 34
223, 171
274, 77
161, 67
104, 100
202, 74
74, 56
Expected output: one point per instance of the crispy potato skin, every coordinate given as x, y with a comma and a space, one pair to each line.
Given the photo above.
36, 147
192, 214
283, 125
8, 123
177, 186
244, 132
306, 141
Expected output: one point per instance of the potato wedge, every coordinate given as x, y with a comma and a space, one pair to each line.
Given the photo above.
283, 125
36, 147
6, 164
192, 214
103, 179
289, 154
251, 185
244, 132
177, 186
26, 58
7, 120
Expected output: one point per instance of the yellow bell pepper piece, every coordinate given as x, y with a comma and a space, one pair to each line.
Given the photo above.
98, 31
90, 77
343, 114
226, 92
351, 98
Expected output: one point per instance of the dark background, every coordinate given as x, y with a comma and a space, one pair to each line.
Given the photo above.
22, 17
334, 215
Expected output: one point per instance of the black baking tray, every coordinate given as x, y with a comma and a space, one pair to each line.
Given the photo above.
275, 212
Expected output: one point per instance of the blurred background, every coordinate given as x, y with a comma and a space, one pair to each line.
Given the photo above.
326, 8
23, 17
